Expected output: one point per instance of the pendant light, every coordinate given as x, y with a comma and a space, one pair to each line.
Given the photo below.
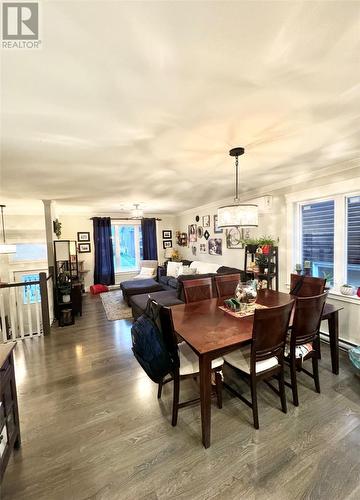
238, 214
4, 247
137, 213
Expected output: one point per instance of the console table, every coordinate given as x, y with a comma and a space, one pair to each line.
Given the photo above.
9, 415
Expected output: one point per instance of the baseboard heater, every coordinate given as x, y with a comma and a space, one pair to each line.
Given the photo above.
343, 344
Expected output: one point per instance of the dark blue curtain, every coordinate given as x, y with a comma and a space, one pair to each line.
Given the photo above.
148, 229
104, 256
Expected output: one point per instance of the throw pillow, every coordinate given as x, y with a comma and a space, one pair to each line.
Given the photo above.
147, 272
186, 270
171, 268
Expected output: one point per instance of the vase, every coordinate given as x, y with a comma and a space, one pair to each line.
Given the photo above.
347, 290
66, 298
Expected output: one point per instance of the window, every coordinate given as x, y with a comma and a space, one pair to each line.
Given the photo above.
353, 240
127, 246
328, 235
30, 252
33, 290
317, 238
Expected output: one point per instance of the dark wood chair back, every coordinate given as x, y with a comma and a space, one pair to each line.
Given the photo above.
198, 289
226, 284
306, 286
307, 319
269, 332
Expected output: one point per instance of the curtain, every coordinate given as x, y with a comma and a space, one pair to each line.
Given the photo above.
148, 229
104, 256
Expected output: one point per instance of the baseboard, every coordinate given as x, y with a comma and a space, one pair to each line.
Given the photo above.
343, 344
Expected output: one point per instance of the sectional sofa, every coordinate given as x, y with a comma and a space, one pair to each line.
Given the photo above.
172, 292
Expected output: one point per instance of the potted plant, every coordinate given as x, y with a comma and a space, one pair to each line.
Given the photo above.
251, 244
64, 286
347, 290
329, 280
262, 262
266, 242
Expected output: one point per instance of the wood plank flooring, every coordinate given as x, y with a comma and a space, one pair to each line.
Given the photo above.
92, 428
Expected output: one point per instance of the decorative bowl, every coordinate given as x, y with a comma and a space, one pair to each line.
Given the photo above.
347, 290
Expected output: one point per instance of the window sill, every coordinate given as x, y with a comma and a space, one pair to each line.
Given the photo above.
336, 295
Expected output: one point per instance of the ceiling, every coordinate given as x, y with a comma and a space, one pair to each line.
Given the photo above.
139, 102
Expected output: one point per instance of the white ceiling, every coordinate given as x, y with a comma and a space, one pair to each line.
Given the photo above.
139, 102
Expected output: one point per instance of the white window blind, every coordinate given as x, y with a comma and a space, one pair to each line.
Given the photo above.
353, 240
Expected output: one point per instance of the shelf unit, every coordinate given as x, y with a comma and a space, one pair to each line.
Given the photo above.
272, 266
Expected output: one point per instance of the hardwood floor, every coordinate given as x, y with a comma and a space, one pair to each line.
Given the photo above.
92, 428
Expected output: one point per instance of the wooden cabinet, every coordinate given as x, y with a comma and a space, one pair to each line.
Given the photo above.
9, 415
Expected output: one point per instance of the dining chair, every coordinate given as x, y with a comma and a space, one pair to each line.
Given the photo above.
264, 358
197, 289
306, 286
226, 284
304, 342
187, 366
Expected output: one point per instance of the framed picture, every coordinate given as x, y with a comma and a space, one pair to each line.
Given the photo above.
192, 229
167, 244
235, 238
83, 236
167, 234
215, 246
202, 247
206, 221
84, 247
217, 229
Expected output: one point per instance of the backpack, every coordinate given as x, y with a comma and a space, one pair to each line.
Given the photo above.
149, 346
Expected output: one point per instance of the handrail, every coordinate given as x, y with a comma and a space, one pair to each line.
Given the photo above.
22, 283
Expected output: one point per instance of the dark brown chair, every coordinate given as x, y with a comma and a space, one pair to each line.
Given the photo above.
264, 359
197, 289
304, 340
306, 286
188, 366
226, 284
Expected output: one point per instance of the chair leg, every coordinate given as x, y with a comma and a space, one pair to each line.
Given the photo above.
218, 386
282, 390
294, 382
315, 365
160, 386
254, 402
175, 399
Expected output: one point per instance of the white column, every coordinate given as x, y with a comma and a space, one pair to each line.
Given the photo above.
50, 216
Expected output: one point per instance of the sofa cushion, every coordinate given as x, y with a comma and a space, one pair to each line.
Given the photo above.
136, 287
164, 280
204, 267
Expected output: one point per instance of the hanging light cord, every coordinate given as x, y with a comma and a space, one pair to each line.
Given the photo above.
236, 199
2, 222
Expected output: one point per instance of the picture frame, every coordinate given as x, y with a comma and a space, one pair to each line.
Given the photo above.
192, 231
215, 246
83, 236
217, 229
202, 248
167, 234
235, 238
206, 221
167, 244
84, 247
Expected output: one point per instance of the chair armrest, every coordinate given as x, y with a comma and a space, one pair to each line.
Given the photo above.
161, 271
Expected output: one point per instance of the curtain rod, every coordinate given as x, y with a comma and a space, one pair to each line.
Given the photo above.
124, 218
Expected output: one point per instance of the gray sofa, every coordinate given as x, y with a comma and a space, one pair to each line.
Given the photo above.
173, 290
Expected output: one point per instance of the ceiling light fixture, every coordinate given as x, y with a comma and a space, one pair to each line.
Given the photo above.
4, 247
137, 213
238, 214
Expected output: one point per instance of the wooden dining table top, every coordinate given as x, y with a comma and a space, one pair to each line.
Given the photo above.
206, 328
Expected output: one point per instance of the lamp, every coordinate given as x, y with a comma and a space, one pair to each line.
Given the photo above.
137, 213
4, 247
244, 215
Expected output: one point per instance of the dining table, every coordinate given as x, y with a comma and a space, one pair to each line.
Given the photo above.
212, 332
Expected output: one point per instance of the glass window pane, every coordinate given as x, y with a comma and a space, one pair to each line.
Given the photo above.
30, 251
33, 289
317, 227
126, 239
353, 240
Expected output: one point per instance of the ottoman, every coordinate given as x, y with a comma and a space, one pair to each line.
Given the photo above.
165, 298
138, 287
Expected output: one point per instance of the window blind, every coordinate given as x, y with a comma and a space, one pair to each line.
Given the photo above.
353, 240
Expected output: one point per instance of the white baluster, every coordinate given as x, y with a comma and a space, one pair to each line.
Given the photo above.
28, 306
37, 310
2, 315
20, 308
13, 318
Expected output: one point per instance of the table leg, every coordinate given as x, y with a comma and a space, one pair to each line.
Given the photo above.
333, 324
205, 398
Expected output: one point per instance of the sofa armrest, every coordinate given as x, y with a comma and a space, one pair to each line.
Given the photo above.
161, 271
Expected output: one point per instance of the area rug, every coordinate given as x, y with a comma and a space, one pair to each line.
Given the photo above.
114, 305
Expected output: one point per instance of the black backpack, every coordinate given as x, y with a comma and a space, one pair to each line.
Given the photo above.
150, 346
